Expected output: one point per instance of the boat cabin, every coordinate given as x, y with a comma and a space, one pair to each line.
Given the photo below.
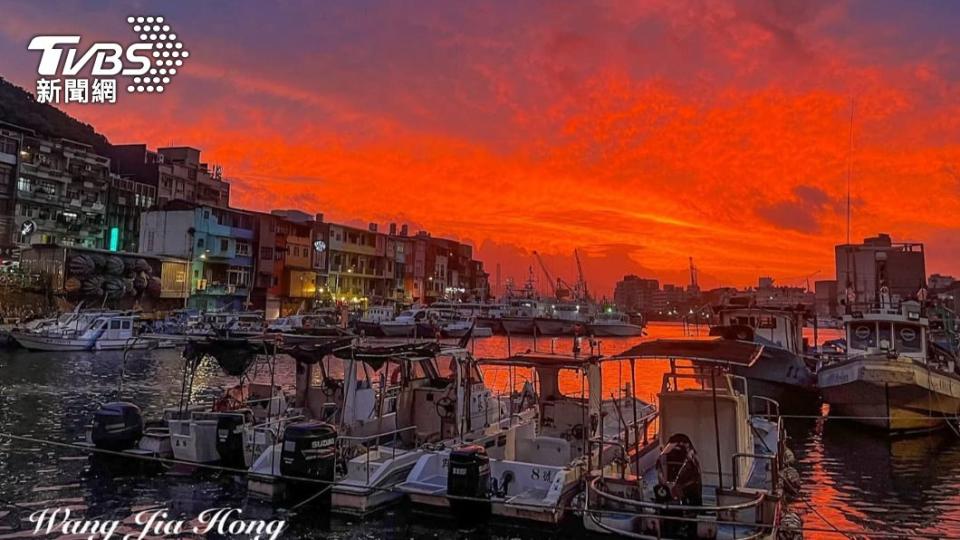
780, 327
419, 389
900, 330
690, 394
573, 415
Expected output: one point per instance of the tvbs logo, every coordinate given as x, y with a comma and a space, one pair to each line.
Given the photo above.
148, 65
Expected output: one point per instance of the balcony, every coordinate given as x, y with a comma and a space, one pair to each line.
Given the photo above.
222, 289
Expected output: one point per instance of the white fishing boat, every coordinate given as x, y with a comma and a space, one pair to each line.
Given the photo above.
201, 436
540, 465
404, 324
785, 370
464, 410
715, 472
612, 323
87, 331
229, 324
893, 376
369, 322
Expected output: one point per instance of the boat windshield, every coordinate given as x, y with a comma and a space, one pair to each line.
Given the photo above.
447, 366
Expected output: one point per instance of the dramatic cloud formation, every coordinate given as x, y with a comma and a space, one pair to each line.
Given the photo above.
642, 133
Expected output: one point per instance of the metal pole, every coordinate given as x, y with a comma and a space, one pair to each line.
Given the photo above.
716, 424
633, 400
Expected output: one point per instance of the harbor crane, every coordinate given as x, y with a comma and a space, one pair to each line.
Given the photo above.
581, 282
559, 287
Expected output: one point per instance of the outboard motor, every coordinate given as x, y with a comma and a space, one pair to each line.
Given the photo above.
309, 451
117, 426
680, 483
468, 475
230, 440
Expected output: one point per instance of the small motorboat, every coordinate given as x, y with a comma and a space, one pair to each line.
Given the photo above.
612, 323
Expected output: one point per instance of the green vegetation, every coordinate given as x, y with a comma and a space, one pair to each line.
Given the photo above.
17, 106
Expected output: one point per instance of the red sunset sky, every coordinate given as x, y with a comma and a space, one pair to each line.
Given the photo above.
641, 133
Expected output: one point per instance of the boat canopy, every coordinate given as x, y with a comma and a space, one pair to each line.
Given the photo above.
713, 350
542, 360
234, 355
375, 357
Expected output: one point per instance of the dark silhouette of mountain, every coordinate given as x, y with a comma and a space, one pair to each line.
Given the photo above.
17, 106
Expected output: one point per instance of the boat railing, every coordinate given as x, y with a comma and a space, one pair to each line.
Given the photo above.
774, 470
376, 437
675, 512
770, 408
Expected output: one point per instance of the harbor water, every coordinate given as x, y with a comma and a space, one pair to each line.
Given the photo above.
853, 479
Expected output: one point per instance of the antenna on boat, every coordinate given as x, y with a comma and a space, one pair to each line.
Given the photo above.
850, 165
851, 282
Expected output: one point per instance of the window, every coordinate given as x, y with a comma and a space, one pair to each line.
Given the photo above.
115, 324
862, 336
883, 337
274, 281
767, 321
908, 338
126, 324
200, 242
266, 253
238, 276
224, 244
243, 249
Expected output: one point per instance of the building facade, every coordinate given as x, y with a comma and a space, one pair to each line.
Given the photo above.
635, 294
61, 194
218, 244
11, 139
150, 179
864, 270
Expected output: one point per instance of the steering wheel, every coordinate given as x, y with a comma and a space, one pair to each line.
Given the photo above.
445, 407
331, 387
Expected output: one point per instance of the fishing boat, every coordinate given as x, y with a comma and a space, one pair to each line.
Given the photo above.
894, 375
715, 469
88, 331
785, 371
612, 323
229, 324
307, 327
369, 323
404, 324
540, 466
563, 319
379, 407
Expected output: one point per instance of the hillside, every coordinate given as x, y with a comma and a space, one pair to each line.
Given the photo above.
17, 106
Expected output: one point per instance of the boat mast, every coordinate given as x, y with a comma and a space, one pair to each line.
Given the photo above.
851, 284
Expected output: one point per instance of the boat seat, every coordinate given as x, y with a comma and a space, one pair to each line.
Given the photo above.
552, 451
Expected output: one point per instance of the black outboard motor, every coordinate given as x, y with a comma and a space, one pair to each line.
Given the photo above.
117, 426
468, 475
309, 451
680, 484
230, 439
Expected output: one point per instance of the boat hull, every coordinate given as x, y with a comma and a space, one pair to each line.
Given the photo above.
397, 329
891, 394
615, 330
492, 323
554, 327
518, 325
53, 344
368, 328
